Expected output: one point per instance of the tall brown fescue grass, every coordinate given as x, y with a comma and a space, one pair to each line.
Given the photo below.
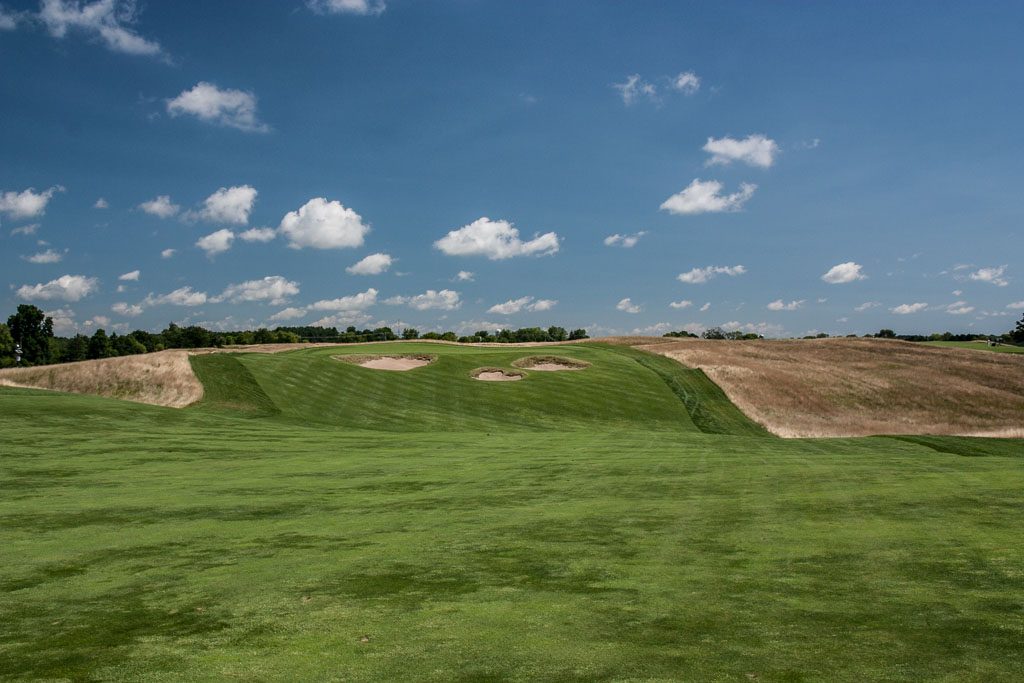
164, 378
858, 387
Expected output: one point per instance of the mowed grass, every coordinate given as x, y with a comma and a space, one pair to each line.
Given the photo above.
979, 346
234, 540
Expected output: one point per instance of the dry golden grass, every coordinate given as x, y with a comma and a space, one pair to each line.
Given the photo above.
857, 387
164, 378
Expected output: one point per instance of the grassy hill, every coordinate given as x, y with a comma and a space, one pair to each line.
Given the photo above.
315, 520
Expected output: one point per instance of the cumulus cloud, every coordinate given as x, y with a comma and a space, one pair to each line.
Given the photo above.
258, 235
906, 309
25, 230
867, 305
686, 82
753, 150
183, 296
524, 303
354, 302
64, 288
8, 20
705, 307
464, 276
107, 20
992, 275
227, 107
843, 273
322, 224
496, 240
216, 242
635, 88
705, 196
101, 203
27, 203
628, 306
624, 241
374, 264
289, 313
1017, 305
227, 205
161, 207
699, 276
780, 305
131, 276
48, 256
273, 288
681, 304
444, 300
126, 309
168, 253
63, 321
360, 7
959, 308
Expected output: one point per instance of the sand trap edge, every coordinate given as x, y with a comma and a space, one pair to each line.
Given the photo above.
361, 360
533, 363
506, 375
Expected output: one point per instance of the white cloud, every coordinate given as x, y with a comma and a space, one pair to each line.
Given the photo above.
445, 300
289, 313
97, 321
216, 242
25, 230
843, 273
753, 150
161, 207
107, 20
1018, 305
63, 321
867, 305
258, 235
101, 203
374, 264
183, 296
64, 288
272, 288
227, 205
8, 20
360, 7
132, 276
681, 304
636, 88
705, 307
780, 305
624, 241
957, 292
464, 276
354, 302
992, 275
906, 309
48, 256
686, 82
699, 276
705, 196
762, 328
524, 303
323, 224
232, 108
126, 309
628, 306
959, 308
496, 240
168, 253
27, 203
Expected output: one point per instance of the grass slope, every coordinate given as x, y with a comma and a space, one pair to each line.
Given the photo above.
977, 346
230, 541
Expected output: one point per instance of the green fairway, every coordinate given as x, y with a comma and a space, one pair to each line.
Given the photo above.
978, 346
315, 520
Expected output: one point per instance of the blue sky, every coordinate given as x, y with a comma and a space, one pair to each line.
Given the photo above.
780, 168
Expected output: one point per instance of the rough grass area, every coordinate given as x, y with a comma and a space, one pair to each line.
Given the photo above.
855, 387
309, 520
977, 346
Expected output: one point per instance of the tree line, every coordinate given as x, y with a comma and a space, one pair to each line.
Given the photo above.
1014, 336
31, 331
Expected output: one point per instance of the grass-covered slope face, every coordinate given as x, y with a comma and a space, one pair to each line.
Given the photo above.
613, 392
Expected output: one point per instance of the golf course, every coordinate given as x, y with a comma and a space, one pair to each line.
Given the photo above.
610, 515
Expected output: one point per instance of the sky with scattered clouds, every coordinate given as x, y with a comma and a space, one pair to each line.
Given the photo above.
448, 165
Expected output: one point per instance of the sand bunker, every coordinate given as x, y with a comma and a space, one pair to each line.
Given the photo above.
550, 363
496, 375
396, 363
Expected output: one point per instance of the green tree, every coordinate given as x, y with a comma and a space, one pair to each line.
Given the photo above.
32, 329
99, 345
557, 333
886, 334
6, 347
1018, 333
410, 333
578, 334
77, 349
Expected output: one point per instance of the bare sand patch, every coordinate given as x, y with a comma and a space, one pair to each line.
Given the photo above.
496, 375
399, 363
860, 387
550, 363
164, 378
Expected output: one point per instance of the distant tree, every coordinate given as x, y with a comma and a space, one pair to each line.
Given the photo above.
449, 336
886, 334
557, 333
126, 345
578, 334
482, 335
6, 347
99, 345
714, 333
410, 333
76, 349
31, 328
1018, 332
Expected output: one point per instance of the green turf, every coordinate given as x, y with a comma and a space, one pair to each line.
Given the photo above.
978, 346
509, 536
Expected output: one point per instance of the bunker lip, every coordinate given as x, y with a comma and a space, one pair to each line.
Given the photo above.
393, 362
550, 363
496, 375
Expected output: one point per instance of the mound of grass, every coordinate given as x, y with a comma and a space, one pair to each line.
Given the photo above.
977, 346
228, 385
